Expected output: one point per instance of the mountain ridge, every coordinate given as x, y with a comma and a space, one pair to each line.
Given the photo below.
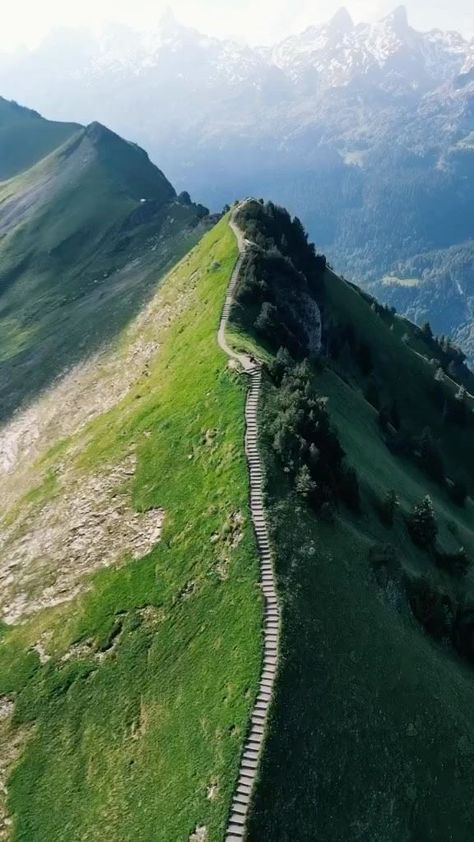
45, 136
72, 226
364, 130
131, 603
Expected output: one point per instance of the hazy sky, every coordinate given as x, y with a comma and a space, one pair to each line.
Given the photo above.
258, 21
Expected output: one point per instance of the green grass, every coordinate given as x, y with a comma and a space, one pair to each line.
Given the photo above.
372, 736
405, 376
25, 137
127, 746
82, 261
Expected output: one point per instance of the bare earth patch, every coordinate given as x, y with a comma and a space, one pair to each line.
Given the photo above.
6, 707
80, 395
47, 549
47, 553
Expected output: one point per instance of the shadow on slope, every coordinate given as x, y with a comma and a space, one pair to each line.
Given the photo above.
372, 736
26, 137
84, 234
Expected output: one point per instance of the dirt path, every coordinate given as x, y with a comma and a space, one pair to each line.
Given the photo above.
243, 359
249, 763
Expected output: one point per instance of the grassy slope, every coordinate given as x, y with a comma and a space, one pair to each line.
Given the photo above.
126, 748
372, 736
25, 137
80, 263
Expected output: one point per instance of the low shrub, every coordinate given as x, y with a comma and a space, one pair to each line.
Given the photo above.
432, 607
455, 563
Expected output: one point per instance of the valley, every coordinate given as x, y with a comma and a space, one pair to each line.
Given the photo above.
362, 129
237, 514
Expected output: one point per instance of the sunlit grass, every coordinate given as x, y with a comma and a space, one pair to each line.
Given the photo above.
128, 746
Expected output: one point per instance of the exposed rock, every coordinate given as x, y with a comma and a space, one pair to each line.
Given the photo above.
212, 791
7, 706
45, 556
199, 835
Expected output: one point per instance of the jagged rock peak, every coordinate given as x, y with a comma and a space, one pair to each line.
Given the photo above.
168, 20
341, 21
96, 132
398, 19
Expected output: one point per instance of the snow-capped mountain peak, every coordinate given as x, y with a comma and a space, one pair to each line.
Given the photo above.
397, 20
181, 66
338, 52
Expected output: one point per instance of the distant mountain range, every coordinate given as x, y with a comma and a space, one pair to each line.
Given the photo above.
367, 131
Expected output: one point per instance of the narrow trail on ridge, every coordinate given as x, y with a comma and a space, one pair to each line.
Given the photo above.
249, 762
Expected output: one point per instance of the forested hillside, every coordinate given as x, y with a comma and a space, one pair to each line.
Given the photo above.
369, 464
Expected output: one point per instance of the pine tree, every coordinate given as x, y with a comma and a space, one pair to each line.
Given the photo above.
281, 365
431, 457
388, 507
422, 523
266, 322
427, 332
303, 483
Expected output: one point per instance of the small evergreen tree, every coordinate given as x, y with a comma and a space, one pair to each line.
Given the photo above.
432, 608
455, 563
431, 457
388, 508
422, 523
453, 369
304, 485
459, 408
427, 332
266, 322
279, 366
